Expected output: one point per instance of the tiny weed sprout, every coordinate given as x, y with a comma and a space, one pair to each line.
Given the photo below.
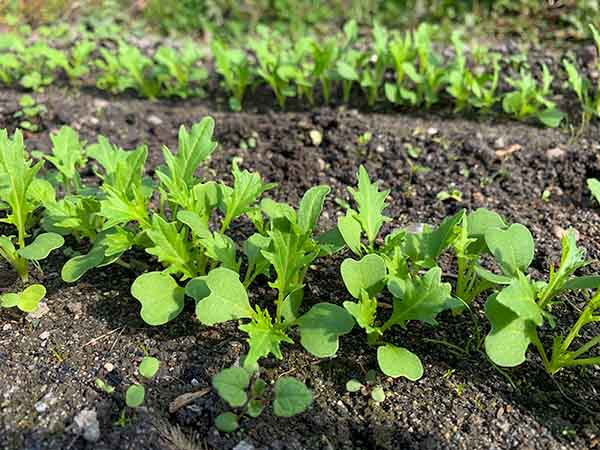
30, 113
370, 387
244, 390
136, 393
233, 65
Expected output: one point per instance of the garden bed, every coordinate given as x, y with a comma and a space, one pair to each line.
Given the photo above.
92, 329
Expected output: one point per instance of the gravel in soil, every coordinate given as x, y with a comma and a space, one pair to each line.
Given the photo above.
48, 364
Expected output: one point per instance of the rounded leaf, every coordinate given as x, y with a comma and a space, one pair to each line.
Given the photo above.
149, 366
134, 396
369, 274
228, 299
291, 397
227, 422
231, 385
399, 362
513, 248
41, 247
160, 295
77, 266
354, 385
321, 327
377, 394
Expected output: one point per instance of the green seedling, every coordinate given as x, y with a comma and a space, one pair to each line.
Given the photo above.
518, 310
136, 393
370, 388
233, 65
374, 67
75, 64
286, 247
179, 73
27, 301
244, 390
528, 99
21, 193
30, 113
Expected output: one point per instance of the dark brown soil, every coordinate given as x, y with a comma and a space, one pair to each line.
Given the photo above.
48, 365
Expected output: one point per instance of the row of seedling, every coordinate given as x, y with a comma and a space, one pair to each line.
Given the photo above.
183, 222
397, 68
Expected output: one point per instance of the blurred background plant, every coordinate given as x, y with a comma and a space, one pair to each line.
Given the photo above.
536, 19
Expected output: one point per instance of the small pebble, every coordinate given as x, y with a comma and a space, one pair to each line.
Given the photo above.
243, 445
555, 153
155, 120
45, 335
87, 425
109, 367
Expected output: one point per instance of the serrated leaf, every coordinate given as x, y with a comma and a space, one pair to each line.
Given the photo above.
371, 203
160, 295
291, 397
231, 385
421, 298
264, 338
369, 274
41, 247
221, 248
228, 299
399, 362
321, 327
247, 187
171, 246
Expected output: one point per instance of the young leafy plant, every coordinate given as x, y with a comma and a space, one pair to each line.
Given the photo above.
21, 193
233, 65
249, 394
520, 309
285, 244
370, 387
136, 393
528, 99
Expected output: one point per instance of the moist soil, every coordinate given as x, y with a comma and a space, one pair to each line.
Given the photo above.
92, 329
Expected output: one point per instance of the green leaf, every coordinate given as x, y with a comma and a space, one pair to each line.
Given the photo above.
478, 222
160, 295
331, 242
350, 229
354, 385
513, 248
291, 305
171, 246
585, 282
291, 397
221, 248
227, 422
310, 207
377, 394
369, 274
255, 408
594, 187
514, 316
228, 299
247, 187
134, 396
321, 327
27, 300
399, 362
67, 153
41, 247
264, 338
421, 298
551, 117
371, 203
231, 385
148, 367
